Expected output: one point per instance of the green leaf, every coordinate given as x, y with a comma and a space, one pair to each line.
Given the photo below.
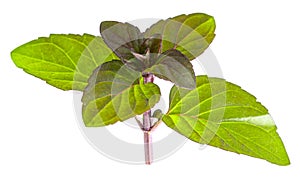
190, 34
175, 67
63, 61
114, 94
221, 114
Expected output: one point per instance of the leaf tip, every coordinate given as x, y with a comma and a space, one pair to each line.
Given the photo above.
107, 24
14, 56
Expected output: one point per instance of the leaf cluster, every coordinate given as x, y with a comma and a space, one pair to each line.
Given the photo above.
110, 71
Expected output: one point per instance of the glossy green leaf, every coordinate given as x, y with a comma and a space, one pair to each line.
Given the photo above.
114, 94
175, 67
63, 61
221, 114
190, 34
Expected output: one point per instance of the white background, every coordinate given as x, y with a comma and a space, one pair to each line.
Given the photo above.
257, 46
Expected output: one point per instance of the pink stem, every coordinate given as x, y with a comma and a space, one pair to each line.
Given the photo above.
147, 124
